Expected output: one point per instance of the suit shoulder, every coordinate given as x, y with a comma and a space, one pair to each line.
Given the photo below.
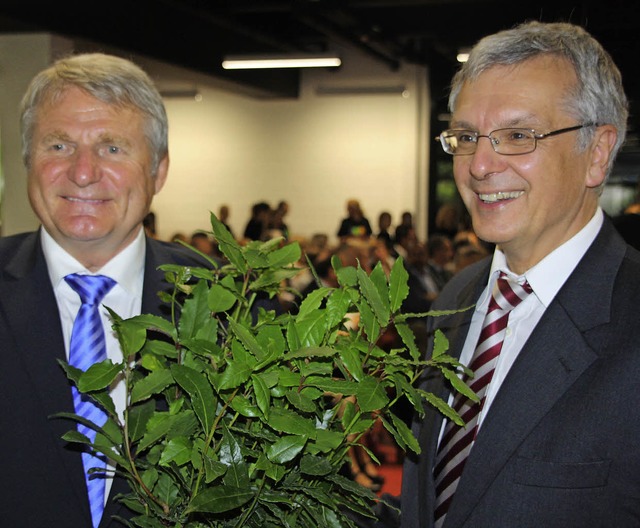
9, 245
173, 253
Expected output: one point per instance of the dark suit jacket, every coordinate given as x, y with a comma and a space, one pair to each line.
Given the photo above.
41, 478
560, 446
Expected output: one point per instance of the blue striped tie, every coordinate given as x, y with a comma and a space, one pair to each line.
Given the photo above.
87, 347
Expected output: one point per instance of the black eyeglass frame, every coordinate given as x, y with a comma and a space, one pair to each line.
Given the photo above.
536, 138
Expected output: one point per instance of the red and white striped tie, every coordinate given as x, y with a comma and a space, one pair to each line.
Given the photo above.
457, 441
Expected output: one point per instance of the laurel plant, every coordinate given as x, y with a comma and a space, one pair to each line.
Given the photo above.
239, 416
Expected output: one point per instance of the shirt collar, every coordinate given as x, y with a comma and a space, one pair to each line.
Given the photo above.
547, 276
125, 268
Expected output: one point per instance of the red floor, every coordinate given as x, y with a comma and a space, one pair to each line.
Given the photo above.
392, 474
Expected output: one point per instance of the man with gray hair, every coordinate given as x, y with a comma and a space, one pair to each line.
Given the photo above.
553, 342
95, 148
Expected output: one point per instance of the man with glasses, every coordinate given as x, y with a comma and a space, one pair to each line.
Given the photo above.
538, 115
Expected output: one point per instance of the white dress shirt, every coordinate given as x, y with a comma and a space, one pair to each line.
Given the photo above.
545, 278
125, 298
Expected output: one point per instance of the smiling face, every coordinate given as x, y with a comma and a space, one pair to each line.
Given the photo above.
528, 204
90, 179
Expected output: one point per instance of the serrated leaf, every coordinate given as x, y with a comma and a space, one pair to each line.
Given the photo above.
99, 376
312, 302
286, 421
228, 245
353, 362
236, 373
177, 450
440, 344
286, 449
200, 391
219, 499
311, 329
372, 296
247, 339
269, 278
194, 311
315, 465
409, 339
222, 296
371, 395
300, 402
262, 393
338, 304
402, 434
137, 418
285, 256
398, 284
231, 454
153, 383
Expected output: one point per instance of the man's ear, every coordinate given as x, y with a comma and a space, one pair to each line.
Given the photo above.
601, 149
161, 174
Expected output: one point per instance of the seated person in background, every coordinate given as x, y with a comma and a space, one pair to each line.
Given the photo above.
355, 225
257, 225
384, 223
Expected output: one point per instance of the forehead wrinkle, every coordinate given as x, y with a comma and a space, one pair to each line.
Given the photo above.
527, 120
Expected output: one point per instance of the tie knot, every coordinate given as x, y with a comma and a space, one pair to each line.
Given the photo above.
90, 288
509, 293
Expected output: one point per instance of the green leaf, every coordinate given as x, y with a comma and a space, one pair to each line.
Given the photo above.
99, 376
228, 245
195, 311
236, 373
401, 434
154, 383
242, 405
286, 449
286, 421
379, 279
398, 285
409, 339
222, 296
285, 256
338, 305
269, 278
315, 465
137, 418
300, 402
231, 455
202, 397
353, 362
247, 339
440, 344
177, 450
263, 395
312, 302
311, 329
310, 352
373, 298
371, 395
219, 499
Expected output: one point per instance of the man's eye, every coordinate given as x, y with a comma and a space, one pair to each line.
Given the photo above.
57, 147
466, 138
112, 149
517, 135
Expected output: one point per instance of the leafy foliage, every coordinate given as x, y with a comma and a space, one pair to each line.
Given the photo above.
237, 416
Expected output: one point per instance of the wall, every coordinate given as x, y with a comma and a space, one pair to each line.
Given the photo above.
315, 152
21, 57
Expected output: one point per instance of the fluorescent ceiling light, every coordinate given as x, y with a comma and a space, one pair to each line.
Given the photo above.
250, 62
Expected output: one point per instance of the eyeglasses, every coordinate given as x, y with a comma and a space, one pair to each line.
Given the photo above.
506, 141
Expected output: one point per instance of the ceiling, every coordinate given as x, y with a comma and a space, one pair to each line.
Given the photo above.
196, 34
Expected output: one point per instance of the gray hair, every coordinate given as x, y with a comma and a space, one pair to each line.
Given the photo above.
113, 80
599, 95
